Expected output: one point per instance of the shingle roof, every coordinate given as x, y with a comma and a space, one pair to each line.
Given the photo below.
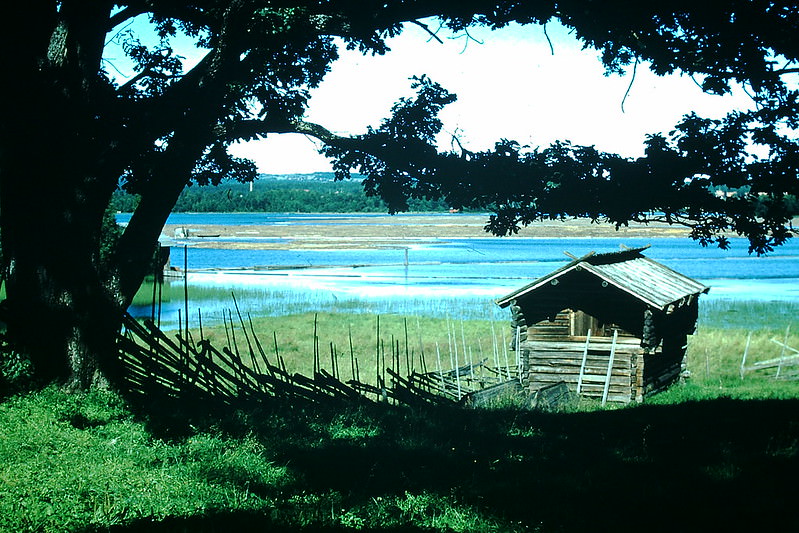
655, 284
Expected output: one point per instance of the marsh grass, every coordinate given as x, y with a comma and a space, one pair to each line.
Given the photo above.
213, 302
716, 350
747, 315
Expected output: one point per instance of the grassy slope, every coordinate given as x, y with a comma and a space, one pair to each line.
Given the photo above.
86, 462
70, 463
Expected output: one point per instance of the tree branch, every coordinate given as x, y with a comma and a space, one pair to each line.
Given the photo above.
133, 11
146, 73
551, 48
426, 28
252, 129
629, 87
125, 14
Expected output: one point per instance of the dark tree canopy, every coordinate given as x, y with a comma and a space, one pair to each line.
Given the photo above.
70, 133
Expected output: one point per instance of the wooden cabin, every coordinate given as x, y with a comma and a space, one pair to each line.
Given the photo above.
612, 326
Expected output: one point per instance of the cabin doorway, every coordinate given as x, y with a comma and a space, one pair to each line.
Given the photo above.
580, 322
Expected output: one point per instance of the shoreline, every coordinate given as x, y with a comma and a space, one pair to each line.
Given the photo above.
379, 231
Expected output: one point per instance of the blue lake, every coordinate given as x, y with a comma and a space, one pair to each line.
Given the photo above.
452, 269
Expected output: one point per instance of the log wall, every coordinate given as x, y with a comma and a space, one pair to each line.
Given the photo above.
547, 362
552, 351
636, 372
662, 368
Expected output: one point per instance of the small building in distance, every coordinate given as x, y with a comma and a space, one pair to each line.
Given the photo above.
612, 326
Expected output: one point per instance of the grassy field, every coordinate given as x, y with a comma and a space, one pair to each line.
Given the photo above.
714, 356
718, 452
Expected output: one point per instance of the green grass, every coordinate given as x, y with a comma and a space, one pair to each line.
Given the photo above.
715, 352
75, 461
86, 463
69, 461
718, 452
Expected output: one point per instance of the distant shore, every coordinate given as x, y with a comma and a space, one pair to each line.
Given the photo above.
399, 230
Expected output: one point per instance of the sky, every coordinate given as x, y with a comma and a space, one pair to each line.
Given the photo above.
510, 84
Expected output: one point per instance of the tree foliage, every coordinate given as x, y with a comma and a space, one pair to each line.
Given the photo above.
72, 131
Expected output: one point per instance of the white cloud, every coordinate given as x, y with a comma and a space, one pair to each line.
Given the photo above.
511, 86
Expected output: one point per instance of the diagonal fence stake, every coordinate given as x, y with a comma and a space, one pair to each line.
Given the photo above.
746, 352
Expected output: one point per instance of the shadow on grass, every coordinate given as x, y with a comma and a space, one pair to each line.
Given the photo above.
223, 522
699, 466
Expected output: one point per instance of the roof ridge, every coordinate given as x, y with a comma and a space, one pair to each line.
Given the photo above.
615, 257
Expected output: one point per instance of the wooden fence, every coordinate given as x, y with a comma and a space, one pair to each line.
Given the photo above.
181, 367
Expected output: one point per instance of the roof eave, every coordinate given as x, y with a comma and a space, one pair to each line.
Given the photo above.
506, 300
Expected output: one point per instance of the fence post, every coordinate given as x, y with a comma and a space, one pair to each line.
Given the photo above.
782, 352
746, 352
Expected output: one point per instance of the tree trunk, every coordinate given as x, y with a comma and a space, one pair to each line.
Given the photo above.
62, 306
66, 137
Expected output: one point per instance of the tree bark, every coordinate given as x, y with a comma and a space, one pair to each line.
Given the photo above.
62, 306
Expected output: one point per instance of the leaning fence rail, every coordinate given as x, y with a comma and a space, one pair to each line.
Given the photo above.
786, 365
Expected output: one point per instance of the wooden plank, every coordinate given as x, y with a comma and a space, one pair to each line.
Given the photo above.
592, 359
595, 392
482, 397
619, 395
577, 353
595, 339
582, 364
587, 387
610, 367
592, 364
785, 346
552, 396
595, 375
746, 352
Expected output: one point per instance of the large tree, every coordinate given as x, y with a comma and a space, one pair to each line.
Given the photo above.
70, 134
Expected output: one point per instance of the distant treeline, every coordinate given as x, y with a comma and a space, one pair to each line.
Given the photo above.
319, 193
788, 204
316, 193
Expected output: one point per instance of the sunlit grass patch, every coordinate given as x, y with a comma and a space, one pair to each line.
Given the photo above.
358, 344
427, 511
73, 460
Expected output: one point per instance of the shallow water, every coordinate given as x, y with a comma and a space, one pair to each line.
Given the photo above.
436, 276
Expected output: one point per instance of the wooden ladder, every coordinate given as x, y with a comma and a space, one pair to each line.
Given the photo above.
610, 364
